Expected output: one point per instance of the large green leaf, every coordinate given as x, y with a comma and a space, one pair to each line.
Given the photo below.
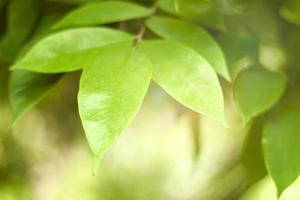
257, 90
68, 50
290, 11
18, 27
186, 76
281, 141
193, 36
103, 13
111, 91
27, 89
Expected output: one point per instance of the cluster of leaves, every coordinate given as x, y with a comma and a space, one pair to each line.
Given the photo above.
181, 45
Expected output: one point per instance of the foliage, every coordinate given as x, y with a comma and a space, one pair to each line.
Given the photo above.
204, 54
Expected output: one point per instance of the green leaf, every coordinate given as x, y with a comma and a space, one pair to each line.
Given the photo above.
187, 77
68, 50
18, 27
111, 91
280, 142
27, 89
74, 2
193, 36
290, 11
257, 90
103, 13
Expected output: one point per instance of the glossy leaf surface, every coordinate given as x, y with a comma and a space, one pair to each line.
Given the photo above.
186, 76
257, 90
68, 50
281, 139
111, 91
103, 13
193, 36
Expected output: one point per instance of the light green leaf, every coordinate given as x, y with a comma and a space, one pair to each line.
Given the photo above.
280, 142
68, 50
111, 91
103, 13
193, 36
290, 11
186, 76
257, 90
28, 88
18, 27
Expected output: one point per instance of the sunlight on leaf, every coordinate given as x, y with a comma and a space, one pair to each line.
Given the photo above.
111, 91
68, 50
187, 77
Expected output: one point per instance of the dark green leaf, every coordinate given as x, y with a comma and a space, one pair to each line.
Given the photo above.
257, 90
68, 50
193, 36
111, 91
281, 141
187, 77
18, 27
27, 89
103, 13
252, 156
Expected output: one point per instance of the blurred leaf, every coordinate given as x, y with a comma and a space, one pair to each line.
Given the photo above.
257, 90
103, 13
68, 50
262, 190
27, 89
238, 45
281, 141
22, 16
290, 11
2, 3
203, 11
191, 81
252, 155
111, 91
193, 36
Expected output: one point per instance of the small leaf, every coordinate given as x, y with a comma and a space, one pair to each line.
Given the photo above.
280, 142
103, 13
111, 91
68, 50
257, 90
18, 27
27, 89
193, 36
187, 77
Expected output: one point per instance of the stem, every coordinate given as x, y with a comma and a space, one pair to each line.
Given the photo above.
141, 33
